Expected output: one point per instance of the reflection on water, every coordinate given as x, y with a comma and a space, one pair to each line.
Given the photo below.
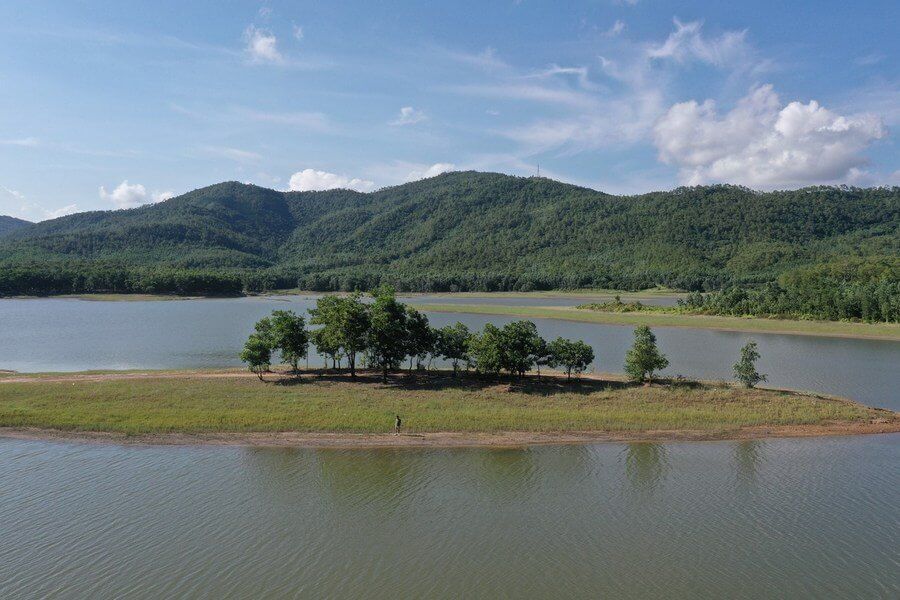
645, 465
748, 457
780, 518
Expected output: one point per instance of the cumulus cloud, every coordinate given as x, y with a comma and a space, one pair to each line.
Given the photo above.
687, 42
127, 195
262, 45
311, 180
409, 116
432, 171
763, 143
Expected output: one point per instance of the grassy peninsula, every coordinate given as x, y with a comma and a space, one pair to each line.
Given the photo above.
659, 317
149, 406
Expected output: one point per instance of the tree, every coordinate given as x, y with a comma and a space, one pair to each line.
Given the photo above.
388, 339
643, 358
257, 354
745, 369
420, 337
327, 346
521, 346
288, 334
574, 356
346, 320
453, 344
486, 348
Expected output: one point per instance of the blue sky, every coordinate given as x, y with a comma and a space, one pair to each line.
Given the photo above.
114, 104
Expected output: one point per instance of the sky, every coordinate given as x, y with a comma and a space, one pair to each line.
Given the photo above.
107, 105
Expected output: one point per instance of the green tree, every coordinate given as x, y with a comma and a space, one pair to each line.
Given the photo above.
521, 346
346, 321
453, 344
574, 356
388, 340
486, 349
420, 337
288, 334
745, 369
257, 353
327, 345
643, 358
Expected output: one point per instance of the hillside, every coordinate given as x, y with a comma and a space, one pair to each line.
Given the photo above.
462, 230
10, 224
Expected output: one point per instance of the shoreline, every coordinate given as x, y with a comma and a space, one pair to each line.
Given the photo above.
836, 329
447, 439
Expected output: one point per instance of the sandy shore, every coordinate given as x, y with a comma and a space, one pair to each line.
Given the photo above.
507, 439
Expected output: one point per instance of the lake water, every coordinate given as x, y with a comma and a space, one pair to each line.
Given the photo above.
753, 519
70, 335
813, 518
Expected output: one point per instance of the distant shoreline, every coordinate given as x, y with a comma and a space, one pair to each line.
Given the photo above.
326, 409
840, 329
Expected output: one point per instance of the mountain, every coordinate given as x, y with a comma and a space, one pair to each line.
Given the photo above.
10, 224
461, 230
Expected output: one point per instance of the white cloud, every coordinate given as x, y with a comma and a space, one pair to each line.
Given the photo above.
262, 45
60, 212
236, 154
29, 142
616, 28
687, 42
409, 116
128, 195
764, 144
298, 32
312, 180
432, 171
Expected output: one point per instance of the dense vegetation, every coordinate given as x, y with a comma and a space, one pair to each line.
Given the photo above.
10, 224
848, 290
458, 231
385, 332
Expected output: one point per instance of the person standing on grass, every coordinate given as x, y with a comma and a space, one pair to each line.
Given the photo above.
397, 422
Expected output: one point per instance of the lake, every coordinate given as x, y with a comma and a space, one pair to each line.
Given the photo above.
813, 518
58, 334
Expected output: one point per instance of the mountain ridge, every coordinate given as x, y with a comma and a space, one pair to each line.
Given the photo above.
474, 230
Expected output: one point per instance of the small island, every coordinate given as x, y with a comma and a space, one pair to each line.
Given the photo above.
325, 408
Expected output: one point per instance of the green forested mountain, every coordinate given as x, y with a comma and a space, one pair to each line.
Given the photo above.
10, 224
463, 230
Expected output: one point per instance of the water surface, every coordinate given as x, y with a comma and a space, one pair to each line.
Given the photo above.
752, 519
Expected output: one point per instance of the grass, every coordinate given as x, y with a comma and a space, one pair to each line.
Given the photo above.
887, 331
202, 402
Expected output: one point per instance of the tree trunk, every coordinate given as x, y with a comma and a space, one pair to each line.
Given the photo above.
384, 374
351, 359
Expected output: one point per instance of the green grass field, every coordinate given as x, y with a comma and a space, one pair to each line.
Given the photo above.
887, 331
204, 403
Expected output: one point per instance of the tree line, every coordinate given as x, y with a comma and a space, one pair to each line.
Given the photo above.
384, 333
850, 290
